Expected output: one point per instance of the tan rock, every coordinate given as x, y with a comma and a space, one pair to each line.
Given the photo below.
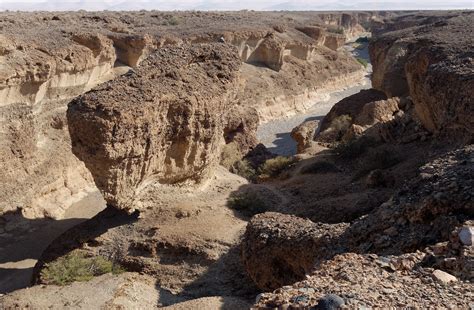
269, 53
163, 123
443, 277
303, 134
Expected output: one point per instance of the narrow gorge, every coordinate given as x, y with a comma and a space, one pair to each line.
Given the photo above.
236, 160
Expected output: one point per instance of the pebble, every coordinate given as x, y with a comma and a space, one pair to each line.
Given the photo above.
330, 302
306, 290
466, 235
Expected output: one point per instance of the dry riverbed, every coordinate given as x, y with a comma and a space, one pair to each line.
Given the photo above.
275, 134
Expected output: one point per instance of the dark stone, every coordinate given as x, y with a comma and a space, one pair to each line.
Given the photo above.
330, 302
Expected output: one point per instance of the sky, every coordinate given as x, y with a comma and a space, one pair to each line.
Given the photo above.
169, 5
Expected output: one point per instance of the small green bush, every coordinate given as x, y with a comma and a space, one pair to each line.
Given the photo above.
319, 167
248, 203
355, 148
244, 169
378, 159
274, 166
76, 266
363, 62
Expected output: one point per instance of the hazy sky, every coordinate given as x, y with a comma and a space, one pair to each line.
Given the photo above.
234, 4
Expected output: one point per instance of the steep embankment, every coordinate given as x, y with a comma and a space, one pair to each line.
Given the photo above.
47, 59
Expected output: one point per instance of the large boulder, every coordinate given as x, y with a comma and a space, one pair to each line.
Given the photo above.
280, 249
162, 122
303, 134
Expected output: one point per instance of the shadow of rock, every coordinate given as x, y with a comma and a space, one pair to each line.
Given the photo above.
225, 277
22, 242
284, 144
81, 234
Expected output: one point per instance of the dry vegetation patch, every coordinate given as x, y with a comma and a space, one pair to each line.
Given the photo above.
77, 266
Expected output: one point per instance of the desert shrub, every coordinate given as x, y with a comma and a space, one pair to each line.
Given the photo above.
355, 148
247, 203
274, 166
341, 123
378, 159
363, 62
230, 154
244, 169
76, 266
337, 128
333, 29
319, 167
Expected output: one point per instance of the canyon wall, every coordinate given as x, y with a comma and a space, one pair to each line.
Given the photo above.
47, 59
40, 174
432, 63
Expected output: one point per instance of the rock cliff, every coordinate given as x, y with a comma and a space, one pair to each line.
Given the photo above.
163, 121
431, 62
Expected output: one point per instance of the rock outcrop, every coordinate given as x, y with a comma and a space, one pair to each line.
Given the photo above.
432, 63
162, 122
353, 115
303, 134
280, 249
412, 238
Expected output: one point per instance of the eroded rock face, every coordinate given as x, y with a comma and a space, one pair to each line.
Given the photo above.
268, 53
241, 128
433, 63
352, 106
398, 244
164, 121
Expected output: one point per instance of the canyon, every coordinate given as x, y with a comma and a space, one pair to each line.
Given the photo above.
135, 139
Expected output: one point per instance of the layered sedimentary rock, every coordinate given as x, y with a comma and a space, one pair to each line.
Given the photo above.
433, 63
162, 122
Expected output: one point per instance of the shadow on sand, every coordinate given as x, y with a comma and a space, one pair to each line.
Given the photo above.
284, 143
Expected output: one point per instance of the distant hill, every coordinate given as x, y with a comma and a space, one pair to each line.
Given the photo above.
168, 5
